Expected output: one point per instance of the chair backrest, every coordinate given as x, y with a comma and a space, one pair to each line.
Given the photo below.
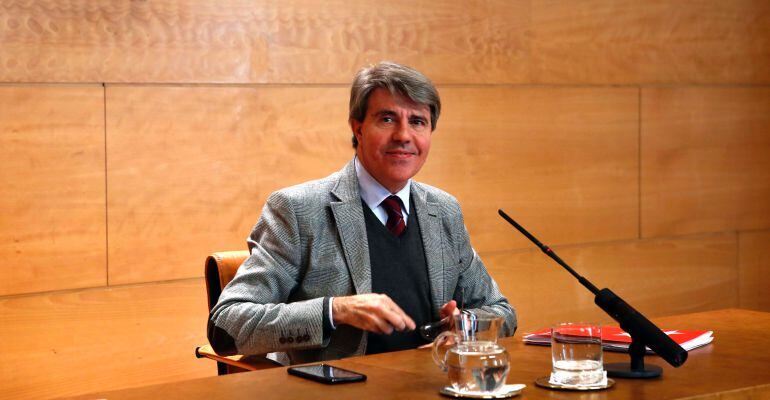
220, 269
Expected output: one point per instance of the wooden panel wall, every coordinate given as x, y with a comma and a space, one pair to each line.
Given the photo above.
52, 232
754, 270
296, 41
137, 137
563, 160
686, 274
638, 42
714, 173
190, 167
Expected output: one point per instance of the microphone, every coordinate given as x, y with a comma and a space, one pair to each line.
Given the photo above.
641, 328
643, 332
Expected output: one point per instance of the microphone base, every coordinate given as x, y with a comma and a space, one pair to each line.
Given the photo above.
623, 370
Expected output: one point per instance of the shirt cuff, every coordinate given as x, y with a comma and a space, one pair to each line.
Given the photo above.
328, 320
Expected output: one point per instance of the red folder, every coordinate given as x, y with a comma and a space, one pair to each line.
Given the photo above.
615, 339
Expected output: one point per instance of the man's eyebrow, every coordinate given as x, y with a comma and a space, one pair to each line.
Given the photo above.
384, 111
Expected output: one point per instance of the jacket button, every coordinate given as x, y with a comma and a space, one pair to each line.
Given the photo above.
306, 337
290, 339
282, 340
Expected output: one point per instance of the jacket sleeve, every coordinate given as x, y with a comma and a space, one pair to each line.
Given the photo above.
475, 287
253, 314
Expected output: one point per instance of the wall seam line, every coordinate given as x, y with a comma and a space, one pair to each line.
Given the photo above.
127, 285
738, 300
748, 85
639, 160
611, 242
106, 203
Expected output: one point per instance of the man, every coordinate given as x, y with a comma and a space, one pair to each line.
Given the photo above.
351, 264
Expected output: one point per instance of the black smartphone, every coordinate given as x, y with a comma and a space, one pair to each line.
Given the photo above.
326, 374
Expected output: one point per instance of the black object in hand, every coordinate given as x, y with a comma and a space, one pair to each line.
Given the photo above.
431, 331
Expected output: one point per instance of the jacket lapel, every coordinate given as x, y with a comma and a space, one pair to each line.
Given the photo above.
349, 218
430, 227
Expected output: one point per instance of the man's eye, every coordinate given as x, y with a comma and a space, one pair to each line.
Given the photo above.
387, 119
418, 121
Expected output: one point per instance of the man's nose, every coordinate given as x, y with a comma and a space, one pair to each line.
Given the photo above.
402, 132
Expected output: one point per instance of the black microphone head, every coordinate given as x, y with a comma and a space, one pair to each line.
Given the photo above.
640, 328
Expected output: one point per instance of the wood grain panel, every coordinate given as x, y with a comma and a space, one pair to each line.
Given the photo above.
597, 41
627, 41
189, 168
754, 270
138, 41
52, 229
194, 139
657, 277
473, 41
99, 339
562, 161
705, 160
294, 41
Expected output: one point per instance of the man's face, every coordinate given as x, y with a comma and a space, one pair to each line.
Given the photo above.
393, 139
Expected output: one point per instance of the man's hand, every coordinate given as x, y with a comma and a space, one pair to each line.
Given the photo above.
449, 308
371, 312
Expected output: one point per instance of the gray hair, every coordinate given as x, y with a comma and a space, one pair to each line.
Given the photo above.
399, 80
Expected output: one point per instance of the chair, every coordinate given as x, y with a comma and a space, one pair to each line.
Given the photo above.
220, 269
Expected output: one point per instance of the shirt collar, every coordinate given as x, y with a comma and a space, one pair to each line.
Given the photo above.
373, 193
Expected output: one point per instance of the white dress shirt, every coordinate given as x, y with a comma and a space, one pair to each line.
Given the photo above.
373, 194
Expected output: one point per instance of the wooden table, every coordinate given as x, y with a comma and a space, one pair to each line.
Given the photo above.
735, 366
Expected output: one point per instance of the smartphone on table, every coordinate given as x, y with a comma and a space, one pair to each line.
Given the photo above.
325, 373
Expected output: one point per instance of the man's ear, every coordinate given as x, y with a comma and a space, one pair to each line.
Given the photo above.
355, 127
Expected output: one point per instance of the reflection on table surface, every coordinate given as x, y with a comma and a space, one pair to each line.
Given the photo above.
735, 365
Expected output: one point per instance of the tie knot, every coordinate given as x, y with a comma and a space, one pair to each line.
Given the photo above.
392, 205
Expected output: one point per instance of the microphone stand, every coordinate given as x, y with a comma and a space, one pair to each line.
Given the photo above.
643, 332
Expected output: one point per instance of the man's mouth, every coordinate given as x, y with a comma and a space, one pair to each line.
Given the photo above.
400, 153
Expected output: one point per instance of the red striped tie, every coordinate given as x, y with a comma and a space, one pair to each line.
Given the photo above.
395, 224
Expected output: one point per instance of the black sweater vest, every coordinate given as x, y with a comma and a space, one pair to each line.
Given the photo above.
400, 271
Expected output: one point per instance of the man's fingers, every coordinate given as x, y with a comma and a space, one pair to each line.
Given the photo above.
410, 323
371, 312
367, 319
450, 308
397, 317
382, 325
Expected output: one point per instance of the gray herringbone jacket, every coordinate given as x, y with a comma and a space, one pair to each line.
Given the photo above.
310, 242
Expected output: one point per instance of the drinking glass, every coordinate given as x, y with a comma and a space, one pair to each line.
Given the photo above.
576, 354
